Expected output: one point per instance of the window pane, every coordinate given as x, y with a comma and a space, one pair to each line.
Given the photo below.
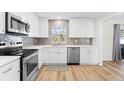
122, 31
58, 35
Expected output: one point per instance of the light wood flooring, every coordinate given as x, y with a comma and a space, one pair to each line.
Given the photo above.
110, 71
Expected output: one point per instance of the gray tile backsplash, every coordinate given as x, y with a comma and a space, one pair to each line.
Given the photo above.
74, 41
10, 38
28, 41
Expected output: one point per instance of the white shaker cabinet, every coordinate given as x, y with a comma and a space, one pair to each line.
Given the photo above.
11, 71
76, 28
59, 55
62, 55
89, 56
84, 55
81, 28
44, 33
55, 55
46, 55
2, 22
34, 22
40, 57
89, 28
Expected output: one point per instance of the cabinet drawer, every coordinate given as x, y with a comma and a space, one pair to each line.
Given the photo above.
13, 76
9, 68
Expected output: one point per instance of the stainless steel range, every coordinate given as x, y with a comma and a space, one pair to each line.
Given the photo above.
12, 45
30, 64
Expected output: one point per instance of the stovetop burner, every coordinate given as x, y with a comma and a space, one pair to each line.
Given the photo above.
18, 51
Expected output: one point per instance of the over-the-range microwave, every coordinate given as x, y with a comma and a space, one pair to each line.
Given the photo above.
15, 25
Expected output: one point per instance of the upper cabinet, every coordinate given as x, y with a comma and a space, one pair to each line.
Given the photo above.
44, 33
34, 22
81, 28
2, 22
78, 27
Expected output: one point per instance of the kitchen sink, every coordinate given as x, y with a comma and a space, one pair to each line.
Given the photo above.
59, 46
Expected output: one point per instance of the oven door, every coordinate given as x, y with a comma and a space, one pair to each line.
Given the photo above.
30, 67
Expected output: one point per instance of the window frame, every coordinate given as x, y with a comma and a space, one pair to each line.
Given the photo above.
65, 33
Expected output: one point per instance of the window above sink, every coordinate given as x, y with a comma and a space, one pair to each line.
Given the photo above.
58, 35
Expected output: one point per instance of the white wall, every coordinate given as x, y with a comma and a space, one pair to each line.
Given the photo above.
98, 39
108, 36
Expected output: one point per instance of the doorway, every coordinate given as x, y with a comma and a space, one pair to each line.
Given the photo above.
122, 41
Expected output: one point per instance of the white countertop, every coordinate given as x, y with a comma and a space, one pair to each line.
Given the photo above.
7, 59
36, 46
79, 46
41, 46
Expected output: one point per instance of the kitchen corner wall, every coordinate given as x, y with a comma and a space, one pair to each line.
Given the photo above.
108, 33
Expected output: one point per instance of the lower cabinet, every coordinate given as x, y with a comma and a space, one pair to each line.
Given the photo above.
62, 56
55, 55
10, 72
40, 58
89, 56
46, 55
58, 55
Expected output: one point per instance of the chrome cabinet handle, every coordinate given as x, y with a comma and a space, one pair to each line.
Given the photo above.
7, 70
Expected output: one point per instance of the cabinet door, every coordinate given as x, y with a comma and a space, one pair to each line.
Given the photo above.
62, 56
35, 30
76, 28
2, 22
89, 28
89, 56
46, 55
40, 57
81, 28
10, 72
54, 55
44, 27
84, 56
13, 76
94, 56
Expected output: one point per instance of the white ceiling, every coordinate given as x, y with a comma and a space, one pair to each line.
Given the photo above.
75, 14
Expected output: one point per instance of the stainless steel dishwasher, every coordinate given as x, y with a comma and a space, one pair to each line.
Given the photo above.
73, 56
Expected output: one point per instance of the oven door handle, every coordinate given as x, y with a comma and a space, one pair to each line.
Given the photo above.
29, 57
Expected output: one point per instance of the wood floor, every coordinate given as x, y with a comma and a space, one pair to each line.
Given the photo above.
110, 71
